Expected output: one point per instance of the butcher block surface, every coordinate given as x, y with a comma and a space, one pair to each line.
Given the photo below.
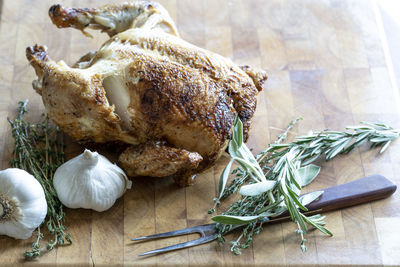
325, 62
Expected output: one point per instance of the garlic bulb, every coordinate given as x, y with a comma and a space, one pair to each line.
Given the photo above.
23, 205
90, 181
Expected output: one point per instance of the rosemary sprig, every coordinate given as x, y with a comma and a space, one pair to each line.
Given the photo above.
39, 151
286, 169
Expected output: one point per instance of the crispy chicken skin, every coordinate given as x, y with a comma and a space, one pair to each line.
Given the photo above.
173, 102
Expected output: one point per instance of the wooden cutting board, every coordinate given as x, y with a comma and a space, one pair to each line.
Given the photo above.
325, 62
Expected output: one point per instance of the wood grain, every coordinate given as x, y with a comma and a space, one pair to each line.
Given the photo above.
325, 63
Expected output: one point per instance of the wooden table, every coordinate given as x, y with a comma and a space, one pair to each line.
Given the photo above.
325, 62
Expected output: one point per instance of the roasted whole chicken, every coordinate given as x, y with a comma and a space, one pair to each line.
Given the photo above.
173, 103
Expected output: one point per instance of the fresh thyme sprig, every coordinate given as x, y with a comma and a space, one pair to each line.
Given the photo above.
39, 151
286, 169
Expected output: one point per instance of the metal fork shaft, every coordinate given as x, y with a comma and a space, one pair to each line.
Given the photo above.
167, 234
203, 230
181, 245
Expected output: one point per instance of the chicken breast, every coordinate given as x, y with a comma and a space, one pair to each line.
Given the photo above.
175, 103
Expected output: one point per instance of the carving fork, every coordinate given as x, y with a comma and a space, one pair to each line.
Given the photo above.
341, 196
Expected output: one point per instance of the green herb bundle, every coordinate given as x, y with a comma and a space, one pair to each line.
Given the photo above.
39, 151
271, 182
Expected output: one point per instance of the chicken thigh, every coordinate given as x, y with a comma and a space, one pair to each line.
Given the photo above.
172, 102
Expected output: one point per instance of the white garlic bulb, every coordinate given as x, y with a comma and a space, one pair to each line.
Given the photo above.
23, 205
90, 181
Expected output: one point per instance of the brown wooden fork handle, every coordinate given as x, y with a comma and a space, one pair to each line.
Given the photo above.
345, 195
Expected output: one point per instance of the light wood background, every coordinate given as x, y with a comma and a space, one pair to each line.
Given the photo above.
325, 63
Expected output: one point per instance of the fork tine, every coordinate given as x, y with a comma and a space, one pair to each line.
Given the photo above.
180, 245
167, 234
201, 229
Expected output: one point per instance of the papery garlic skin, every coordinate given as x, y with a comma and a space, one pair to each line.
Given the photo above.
90, 181
23, 205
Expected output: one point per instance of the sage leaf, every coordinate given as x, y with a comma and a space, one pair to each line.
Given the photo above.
233, 149
249, 156
308, 173
238, 132
257, 188
251, 169
235, 220
224, 178
310, 197
275, 213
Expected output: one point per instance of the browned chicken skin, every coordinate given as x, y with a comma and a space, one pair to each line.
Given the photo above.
173, 102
